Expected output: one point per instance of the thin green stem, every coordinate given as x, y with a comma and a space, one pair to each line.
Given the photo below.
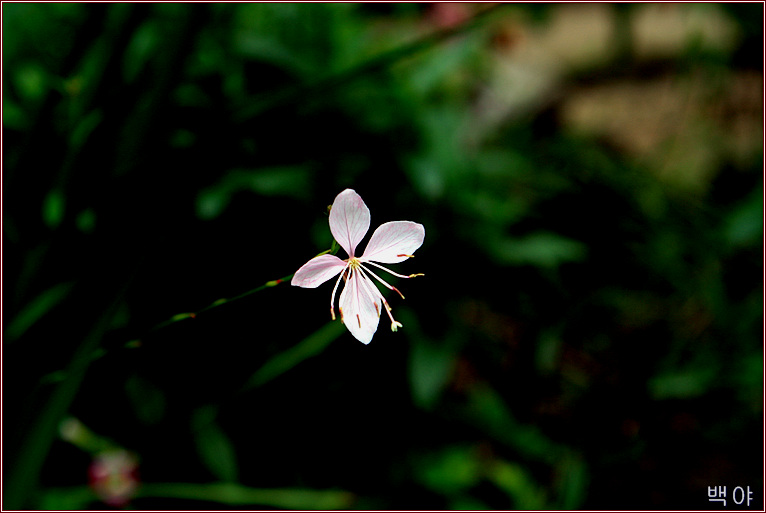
60, 375
224, 301
220, 302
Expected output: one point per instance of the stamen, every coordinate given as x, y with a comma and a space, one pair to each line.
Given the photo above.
359, 320
390, 315
404, 254
390, 271
377, 310
390, 287
332, 297
343, 295
373, 289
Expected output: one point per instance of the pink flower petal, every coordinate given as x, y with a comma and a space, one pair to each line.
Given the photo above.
358, 305
349, 220
317, 271
393, 241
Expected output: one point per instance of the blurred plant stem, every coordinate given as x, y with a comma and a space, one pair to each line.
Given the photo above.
301, 92
234, 494
23, 480
224, 493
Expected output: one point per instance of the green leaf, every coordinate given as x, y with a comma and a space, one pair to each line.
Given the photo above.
430, 369
452, 470
276, 181
86, 220
214, 446
427, 177
211, 203
31, 82
36, 309
430, 363
516, 482
84, 128
487, 411
286, 360
744, 225
572, 481
431, 71
265, 49
548, 352
491, 207
13, 115
139, 51
148, 400
682, 383
542, 249
53, 208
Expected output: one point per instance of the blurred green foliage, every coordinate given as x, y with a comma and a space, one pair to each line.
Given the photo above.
588, 333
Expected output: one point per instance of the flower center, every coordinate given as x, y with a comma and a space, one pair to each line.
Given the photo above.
354, 263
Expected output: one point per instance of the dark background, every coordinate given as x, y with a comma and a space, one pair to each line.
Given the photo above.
588, 332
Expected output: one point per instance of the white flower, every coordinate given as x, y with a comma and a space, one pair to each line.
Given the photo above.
391, 243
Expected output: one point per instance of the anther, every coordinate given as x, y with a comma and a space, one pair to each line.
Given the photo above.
404, 254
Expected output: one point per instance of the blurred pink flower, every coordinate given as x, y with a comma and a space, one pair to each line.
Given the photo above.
448, 14
391, 243
113, 475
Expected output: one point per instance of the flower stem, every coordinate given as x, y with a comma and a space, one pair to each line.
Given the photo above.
60, 375
217, 303
224, 301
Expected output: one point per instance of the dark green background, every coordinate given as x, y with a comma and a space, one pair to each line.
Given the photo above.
588, 333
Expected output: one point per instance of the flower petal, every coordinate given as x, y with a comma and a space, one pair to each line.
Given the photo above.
392, 242
358, 307
349, 220
317, 271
